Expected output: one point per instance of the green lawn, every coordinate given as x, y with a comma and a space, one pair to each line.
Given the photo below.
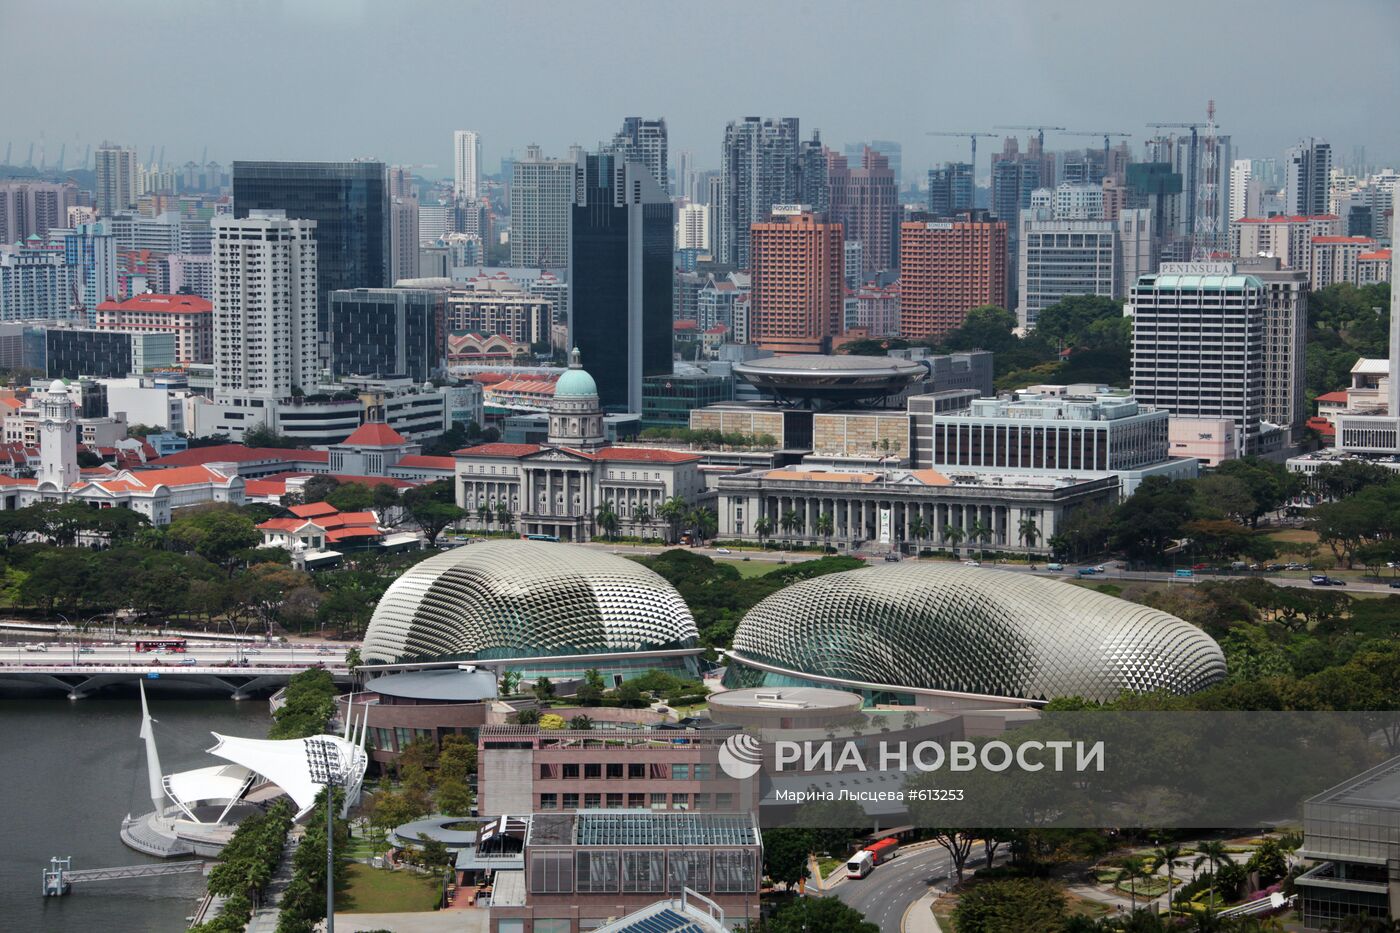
751, 568
378, 890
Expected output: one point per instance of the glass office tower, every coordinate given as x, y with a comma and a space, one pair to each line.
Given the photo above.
349, 202
388, 332
620, 276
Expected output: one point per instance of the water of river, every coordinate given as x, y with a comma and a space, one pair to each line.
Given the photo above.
73, 769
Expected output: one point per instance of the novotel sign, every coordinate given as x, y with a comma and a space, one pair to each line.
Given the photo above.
790, 210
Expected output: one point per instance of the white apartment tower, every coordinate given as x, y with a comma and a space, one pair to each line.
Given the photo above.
116, 179
1308, 178
264, 307
1241, 175
542, 196
466, 164
693, 227
1199, 346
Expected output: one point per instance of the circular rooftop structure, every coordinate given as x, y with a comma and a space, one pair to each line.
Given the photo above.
576, 382
503, 599
973, 637
783, 707
451, 685
834, 378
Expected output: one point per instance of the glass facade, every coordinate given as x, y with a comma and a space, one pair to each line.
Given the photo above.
387, 332
349, 202
620, 271
668, 400
72, 353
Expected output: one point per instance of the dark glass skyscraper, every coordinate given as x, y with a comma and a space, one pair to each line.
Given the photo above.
349, 202
388, 332
620, 278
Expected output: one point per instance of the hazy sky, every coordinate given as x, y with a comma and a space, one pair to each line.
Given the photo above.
336, 79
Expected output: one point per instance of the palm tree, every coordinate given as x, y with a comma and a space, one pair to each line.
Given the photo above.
790, 522
1028, 532
918, 530
641, 515
673, 511
1170, 856
1059, 545
1133, 868
953, 535
483, 512
763, 528
503, 516
1212, 852
980, 533
826, 526
606, 519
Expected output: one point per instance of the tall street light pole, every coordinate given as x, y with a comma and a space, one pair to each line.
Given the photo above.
328, 768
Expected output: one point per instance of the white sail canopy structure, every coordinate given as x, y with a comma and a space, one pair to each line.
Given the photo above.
221, 783
284, 762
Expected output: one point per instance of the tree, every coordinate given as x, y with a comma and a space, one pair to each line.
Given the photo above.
819, 915
1212, 852
1028, 532
527, 717
454, 797
642, 518
1010, 906
791, 522
918, 530
388, 504
958, 845
605, 519
351, 497
953, 535
544, 690
504, 518
980, 532
218, 534
1134, 868
552, 722
508, 682
1169, 856
785, 854
431, 508
264, 436
1151, 519
318, 487
763, 528
673, 512
581, 723
826, 527
704, 523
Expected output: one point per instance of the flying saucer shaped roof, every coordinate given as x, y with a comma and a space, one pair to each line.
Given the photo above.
957, 630
832, 378
285, 763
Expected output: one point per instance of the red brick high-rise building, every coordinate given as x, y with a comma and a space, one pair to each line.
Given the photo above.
798, 292
947, 268
865, 201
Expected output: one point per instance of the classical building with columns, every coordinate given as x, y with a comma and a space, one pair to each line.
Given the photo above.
907, 509
555, 489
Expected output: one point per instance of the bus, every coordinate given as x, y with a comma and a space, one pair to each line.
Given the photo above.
877, 853
176, 645
554, 538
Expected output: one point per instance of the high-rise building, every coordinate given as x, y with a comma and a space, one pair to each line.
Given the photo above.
33, 207
1079, 201
466, 164
797, 294
620, 278
644, 141
388, 333
1285, 342
116, 179
950, 189
265, 307
865, 201
542, 194
1060, 258
403, 238
1286, 237
947, 268
349, 202
813, 181
687, 178
1198, 347
1241, 175
35, 282
693, 227
760, 169
189, 318
1014, 176
1378, 433
1307, 177
90, 250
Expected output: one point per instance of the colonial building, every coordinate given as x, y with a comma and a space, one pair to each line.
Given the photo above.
556, 488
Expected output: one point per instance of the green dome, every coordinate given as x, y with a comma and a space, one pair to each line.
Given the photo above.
575, 383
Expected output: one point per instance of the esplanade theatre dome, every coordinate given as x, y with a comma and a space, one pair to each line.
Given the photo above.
968, 635
530, 599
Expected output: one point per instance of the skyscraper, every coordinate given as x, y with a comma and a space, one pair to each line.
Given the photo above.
33, 207
813, 176
947, 268
761, 168
620, 277
349, 201
798, 290
116, 179
264, 307
686, 183
403, 238
865, 201
644, 141
950, 189
1307, 176
466, 164
1241, 175
389, 332
90, 250
542, 193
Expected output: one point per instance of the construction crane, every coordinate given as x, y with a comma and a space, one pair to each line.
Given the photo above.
970, 136
1039, 132
1105, 134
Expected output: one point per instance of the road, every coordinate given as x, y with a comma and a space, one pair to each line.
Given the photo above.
886, 893
204, 654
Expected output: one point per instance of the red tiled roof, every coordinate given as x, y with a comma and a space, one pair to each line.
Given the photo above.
10, 402
645, 455
286, 524
1322, 426
312, 509
237, 453
685, 325
176, 476
17, 481
375, 434
507, 451
179, 304
1380, 255
373, 481
264, 487
1332, 397
1342, 239
349, 519
340, 534
425, 462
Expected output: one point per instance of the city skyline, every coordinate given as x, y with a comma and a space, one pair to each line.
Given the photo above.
1047, 57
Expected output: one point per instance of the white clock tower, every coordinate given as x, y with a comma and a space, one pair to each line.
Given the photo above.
58, 438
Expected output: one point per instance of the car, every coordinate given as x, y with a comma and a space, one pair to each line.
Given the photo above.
1294, 565
972, 563
252, 651
1054, 566
35, 648
1321, 579
324, 651
1274, 568
1198, 566
723, 550
1395, 584
892, 557
1100, 569
87, 650
1084, 572
188, 662
1336, 581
